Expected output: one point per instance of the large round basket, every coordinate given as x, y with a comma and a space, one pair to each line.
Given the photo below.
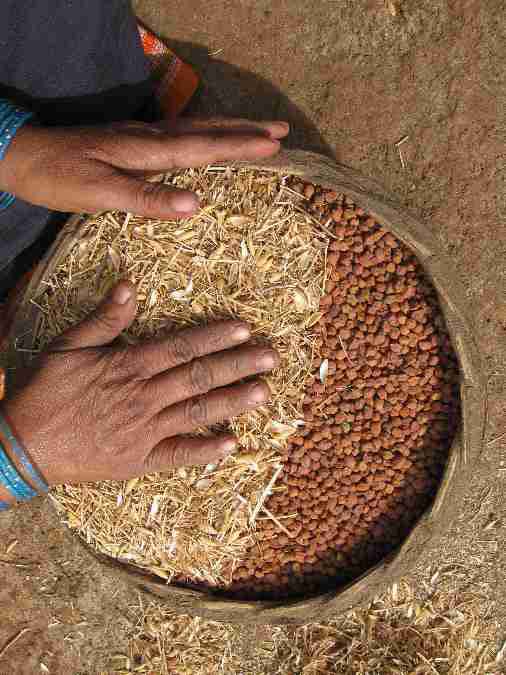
463, 454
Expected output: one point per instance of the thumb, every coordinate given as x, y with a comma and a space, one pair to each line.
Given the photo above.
102, 326
149, 199
187, 451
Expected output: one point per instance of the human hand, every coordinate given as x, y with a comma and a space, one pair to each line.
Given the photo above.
91, 410
98, 168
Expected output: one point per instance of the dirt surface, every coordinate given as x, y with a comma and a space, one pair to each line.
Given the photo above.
353, 78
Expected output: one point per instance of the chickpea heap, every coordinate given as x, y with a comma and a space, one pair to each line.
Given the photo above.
380, 416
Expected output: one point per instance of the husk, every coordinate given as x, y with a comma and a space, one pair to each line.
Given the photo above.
444, 629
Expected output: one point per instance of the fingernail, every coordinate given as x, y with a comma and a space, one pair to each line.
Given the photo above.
258, 394
241, 332
267, 360
228, 446
121, 295
185, 203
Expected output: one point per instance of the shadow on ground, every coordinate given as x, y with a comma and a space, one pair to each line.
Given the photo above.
227, 90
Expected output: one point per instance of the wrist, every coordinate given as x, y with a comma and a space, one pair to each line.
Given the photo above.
19, 479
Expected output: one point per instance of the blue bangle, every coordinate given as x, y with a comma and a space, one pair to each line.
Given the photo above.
20, 454
6, 200
4, 506
11, 479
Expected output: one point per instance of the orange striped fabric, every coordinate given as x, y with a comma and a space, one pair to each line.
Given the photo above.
176, 80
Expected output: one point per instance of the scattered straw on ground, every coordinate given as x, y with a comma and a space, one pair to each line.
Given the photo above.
439, 630
250, 253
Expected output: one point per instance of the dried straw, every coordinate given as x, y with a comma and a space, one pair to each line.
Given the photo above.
447, 630
249, 253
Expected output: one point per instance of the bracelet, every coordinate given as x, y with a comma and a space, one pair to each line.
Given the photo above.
6, 200
11, 478
12, 117
9, 475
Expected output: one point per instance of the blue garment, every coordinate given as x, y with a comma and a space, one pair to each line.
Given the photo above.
12, 118
71, 62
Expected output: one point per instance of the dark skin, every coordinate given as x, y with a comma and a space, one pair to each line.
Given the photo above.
91, 410
99, 168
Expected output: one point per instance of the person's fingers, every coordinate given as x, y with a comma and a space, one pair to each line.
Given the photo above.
274, 129
208, 373
147, 150
202, 411
111, 317
156, 356
152, 200
185, 451
187, 125
201, 148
